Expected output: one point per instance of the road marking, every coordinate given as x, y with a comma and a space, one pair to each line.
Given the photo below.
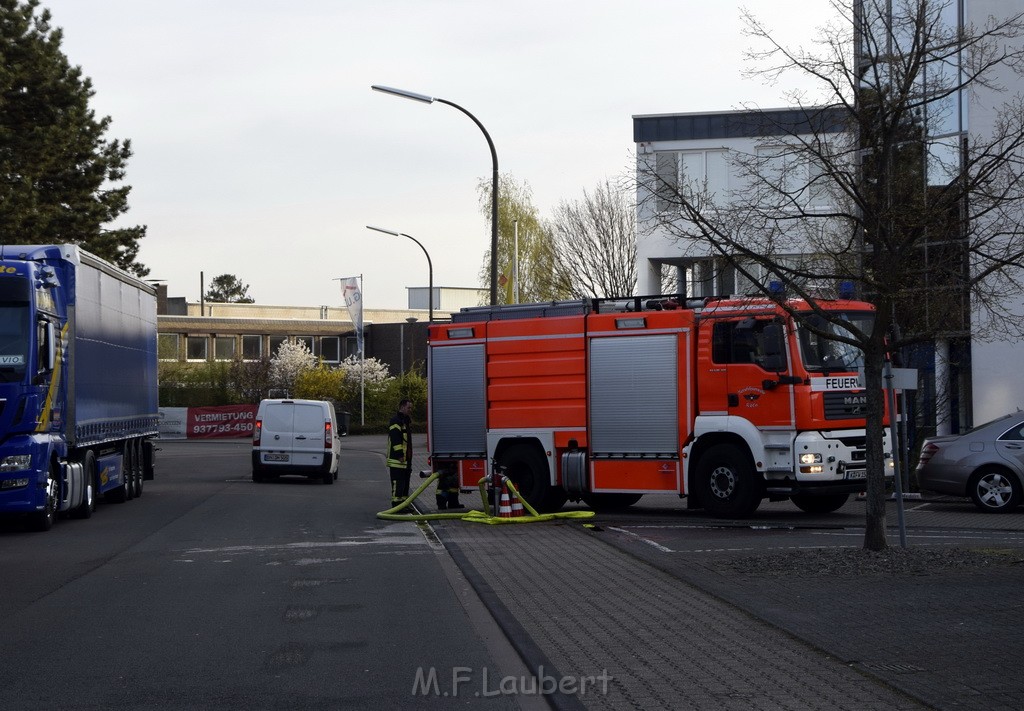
648, 541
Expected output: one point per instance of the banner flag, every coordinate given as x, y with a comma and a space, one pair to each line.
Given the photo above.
352, 295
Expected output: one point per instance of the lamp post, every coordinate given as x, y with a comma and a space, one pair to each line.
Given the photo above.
430, 266
494, 174
412, 342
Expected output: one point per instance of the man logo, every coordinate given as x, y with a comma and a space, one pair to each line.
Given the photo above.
855, 404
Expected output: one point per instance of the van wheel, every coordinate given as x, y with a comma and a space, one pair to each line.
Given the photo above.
727, 483
327, 477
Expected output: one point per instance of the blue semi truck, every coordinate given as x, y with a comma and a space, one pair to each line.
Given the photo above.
78, 383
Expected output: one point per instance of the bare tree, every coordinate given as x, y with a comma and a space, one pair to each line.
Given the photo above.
595, 243
860, 185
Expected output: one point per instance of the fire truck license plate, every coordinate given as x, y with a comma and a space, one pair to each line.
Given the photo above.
271, 457
857, 474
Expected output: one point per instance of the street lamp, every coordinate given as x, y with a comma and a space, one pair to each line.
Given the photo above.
430, 266
494, 176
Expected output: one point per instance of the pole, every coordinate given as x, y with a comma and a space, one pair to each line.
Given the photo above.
494, 198
890, 395
515, 267
363, 362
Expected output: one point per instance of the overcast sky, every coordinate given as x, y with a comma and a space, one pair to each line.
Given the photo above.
260, 150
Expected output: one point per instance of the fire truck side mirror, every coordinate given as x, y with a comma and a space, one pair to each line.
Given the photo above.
774, 348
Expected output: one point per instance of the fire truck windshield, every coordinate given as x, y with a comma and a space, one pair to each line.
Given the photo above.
823, 354
14, 328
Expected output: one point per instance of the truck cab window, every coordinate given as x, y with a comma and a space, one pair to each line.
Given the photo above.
821, 353
740, 342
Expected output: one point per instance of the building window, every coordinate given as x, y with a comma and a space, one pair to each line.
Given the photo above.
196, 347
307, 340
351, 346
330, 349
224, 347
683, 174
167, 346
252, 347
275, 343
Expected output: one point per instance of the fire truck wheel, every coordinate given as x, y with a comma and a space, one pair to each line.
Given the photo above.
726, 483
526, 466
820, 504
610, 502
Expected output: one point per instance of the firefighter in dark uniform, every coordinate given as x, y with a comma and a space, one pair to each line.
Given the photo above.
448, 489
399, 457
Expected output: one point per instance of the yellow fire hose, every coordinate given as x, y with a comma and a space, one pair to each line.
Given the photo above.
474, 515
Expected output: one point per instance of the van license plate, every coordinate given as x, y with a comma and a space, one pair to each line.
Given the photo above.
272, 457
854, 473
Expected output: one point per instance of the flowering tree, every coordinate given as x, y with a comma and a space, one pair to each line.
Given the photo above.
288, 363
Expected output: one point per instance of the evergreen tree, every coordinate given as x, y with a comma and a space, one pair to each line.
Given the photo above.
227, 289
59, 175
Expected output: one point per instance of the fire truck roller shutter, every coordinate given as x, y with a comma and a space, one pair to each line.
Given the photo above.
458, 406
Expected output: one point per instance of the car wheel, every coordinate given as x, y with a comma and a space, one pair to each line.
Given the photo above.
726, 483
995, 490
820, 504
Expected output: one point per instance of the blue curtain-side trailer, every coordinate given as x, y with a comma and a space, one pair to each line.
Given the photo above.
78, 382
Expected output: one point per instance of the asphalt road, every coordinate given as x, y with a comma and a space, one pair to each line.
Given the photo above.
214, 592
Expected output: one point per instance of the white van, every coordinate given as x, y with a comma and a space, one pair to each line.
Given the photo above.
296, 437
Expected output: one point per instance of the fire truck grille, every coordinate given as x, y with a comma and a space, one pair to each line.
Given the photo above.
845, 405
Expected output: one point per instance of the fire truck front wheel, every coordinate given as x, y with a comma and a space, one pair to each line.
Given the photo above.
527, 467
726, 483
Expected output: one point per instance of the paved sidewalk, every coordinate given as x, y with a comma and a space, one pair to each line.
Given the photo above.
594, 610
688, 632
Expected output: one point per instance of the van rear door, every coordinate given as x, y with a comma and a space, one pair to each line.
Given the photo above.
308, 439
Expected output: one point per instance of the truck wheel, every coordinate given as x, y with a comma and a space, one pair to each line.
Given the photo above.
610, 502
139, 469
124, 491
43, 520
128, 475
88, 505
148, 459
819, 504
727, 484
526, 466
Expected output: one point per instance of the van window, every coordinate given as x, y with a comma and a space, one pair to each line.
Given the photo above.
308, 418
277, 418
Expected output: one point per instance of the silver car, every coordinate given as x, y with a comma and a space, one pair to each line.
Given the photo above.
985, 463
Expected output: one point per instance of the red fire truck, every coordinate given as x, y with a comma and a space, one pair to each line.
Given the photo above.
726, 401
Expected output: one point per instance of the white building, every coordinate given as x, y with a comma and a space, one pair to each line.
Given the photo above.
967, 365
